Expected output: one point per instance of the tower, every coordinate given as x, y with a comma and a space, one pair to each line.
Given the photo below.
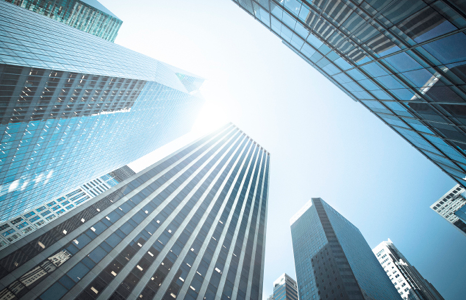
74, 104
191, 225
332, 258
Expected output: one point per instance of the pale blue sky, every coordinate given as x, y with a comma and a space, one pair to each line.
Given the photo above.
322, 143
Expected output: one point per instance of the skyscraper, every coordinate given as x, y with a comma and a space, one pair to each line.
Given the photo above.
402, 60
190, 226
86, 15
332, 258
31, 220
75, 105
452, 207
404, 276
285, 288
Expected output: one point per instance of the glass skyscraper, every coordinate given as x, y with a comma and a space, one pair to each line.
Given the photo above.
284, 288
31, 220
73, 105
332, 258
191, 226
403, 60
86, 15
404, 276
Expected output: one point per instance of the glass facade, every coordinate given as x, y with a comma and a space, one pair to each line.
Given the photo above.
18, 227
285, 288
404, 276
75, 105
332, 258
86, 15
191, 226
402, 60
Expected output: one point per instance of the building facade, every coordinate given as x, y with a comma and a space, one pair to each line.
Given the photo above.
86, 15
402, 60
73, 104
189, 226
29, 221
452, 207
332, 258
404, 276
285, 288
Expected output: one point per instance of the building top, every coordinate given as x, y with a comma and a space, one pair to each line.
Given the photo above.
449, 203
64, 48
382, 245
301, 212
96, 4
283, 279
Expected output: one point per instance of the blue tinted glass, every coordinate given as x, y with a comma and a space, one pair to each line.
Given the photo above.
301, 30
293, 6
55, 292
308, 51
304, 12
390, 82
324, 49
78, 272
403, 62
288, 20
363, 95
403, 94
379, 94
390, 50
356, 74
343, 64
314, 41
374, 69
331, 69
449, 49
368, 85
440, 29
419, 77
342, 78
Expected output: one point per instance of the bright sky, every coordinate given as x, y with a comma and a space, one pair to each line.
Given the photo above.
322, 143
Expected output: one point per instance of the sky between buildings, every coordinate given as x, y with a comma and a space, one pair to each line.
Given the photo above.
322, 143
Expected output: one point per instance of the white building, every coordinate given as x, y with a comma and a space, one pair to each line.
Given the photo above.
405, 277
452, 207
284, 288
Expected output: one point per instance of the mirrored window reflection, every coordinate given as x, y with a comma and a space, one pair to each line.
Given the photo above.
375, 70
449, 49
402, 62
425, 25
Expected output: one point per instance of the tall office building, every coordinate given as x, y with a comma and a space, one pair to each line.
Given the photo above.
86, 15
452, 207
332, 258
75, 105
190, 226
285, 288
404, 276
30, 221
402, 60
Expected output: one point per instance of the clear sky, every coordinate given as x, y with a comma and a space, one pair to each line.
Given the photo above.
322, 143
